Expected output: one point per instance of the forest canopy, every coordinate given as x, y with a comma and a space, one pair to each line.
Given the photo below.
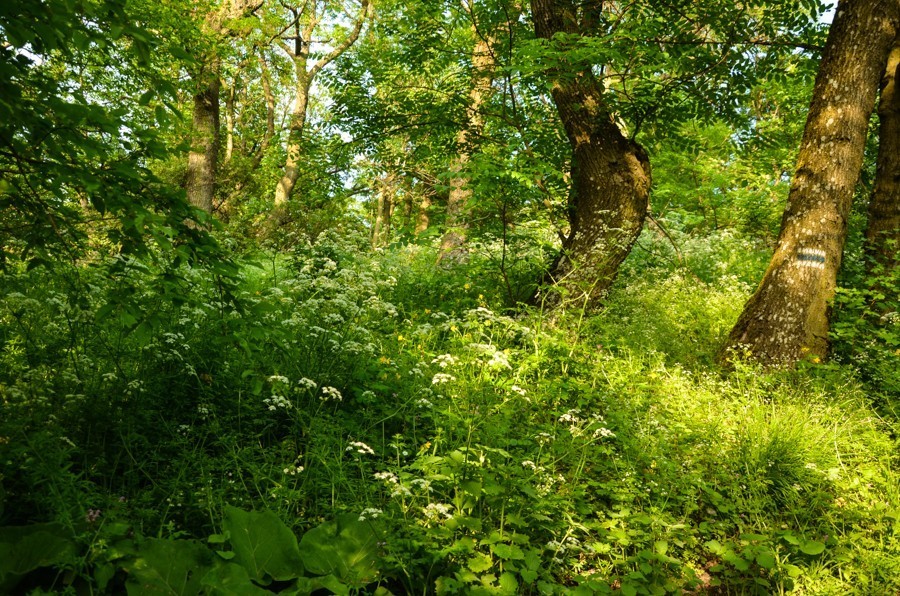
449, 296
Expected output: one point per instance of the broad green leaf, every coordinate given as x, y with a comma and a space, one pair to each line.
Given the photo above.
346, 548
765, 560
508, 583
263, 545
26, 548
508, 552
812, 547
480, 563
230, 579
172, 567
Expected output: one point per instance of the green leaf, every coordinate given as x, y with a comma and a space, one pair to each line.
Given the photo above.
508, 582
765, 560
812, 547
346, 548
173, 567
263, 545
508, 552
480, 563
229, 578
739, 563
26, 548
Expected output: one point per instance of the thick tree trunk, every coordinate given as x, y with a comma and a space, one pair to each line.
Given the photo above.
883, 232
460, 192
787, 317
200, 183
610, 174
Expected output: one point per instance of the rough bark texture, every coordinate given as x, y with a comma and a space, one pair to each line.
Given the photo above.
460, 193
883, 232
200, 182
610, 172
787, 317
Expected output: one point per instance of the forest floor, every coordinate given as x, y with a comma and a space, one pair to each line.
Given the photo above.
421, 435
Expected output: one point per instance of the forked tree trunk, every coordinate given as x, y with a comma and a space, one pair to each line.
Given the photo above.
883, 231
787, 317
300, 54
610, 174
200, 183
460, 192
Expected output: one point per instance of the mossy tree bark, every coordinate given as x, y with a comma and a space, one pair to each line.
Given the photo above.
787, 318
200, 182
883, 231
610, 172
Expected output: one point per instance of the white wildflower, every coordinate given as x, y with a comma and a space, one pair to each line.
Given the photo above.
360, 448
305, 383
604, 432
435, 511
388, 477
330, 393
369, 513
442, 378
571, 416
445, 360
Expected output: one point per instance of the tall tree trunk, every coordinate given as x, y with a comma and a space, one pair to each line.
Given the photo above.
381, 230
610, 173
295, 136
460, 193
883, 231
299, 53
200, 183
788, 315
422, 218
229, 120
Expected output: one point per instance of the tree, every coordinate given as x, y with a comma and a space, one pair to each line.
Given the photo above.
883, 231
307, 20
483, 64
610, 172
787, 316
203, 158
74, 163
